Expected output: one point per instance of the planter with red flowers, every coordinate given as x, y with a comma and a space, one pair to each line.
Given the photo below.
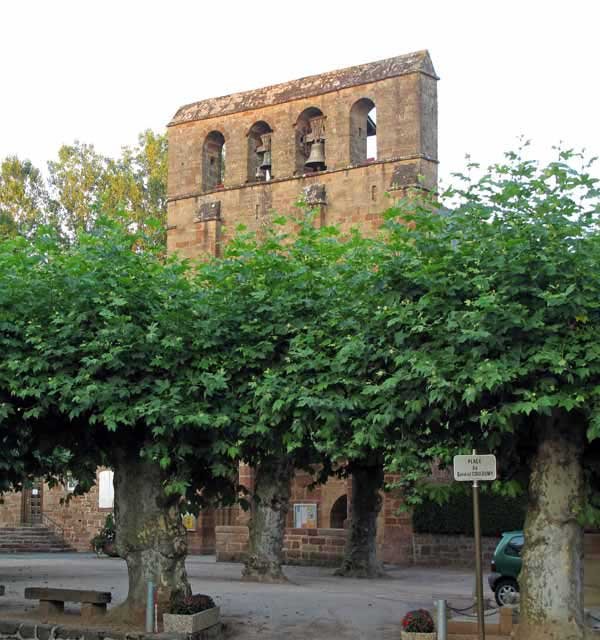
191, 614
418, 625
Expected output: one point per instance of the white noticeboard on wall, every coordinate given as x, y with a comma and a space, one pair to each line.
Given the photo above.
305, 516
475, 467
106, 491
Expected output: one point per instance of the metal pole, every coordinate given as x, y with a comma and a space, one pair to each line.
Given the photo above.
478, 571
442, 620
150, 608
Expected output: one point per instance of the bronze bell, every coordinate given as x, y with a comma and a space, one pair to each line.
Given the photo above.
316, 159
266, 161
259, 175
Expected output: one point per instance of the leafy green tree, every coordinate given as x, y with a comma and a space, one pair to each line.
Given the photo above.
78, 178
473, 327
137, 187
318, 385
490, 315
131, 188
260, 296
23, 197
99, 365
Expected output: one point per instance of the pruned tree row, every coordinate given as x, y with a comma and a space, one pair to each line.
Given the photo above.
469, 326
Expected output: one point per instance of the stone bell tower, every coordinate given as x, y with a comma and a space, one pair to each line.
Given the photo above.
346, 141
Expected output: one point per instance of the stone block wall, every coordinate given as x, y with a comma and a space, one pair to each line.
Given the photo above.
10, 509
27, 630
451, 550
394, 528
78, 518
202, 540
231, 542
323, 547
459, 550
353, 192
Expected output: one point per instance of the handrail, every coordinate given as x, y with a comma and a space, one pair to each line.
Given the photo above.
56, 528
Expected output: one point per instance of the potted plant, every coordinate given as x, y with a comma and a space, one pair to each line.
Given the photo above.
418, 625
104, 540
191, 614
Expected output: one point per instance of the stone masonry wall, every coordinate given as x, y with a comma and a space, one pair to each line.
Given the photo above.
10, 510
25, 630
78, 518
353, 194
430, 549
323, 547
395, 529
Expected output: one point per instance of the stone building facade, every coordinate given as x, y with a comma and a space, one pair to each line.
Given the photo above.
217, 148
348, 143
75, 519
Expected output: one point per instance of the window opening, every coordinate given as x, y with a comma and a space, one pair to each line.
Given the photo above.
363, 132
260, 158
339, 513
213, 161
106, 491
310, 142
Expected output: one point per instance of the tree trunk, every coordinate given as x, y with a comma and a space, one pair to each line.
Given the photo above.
149, 535
551, 580
360, 558
270, 505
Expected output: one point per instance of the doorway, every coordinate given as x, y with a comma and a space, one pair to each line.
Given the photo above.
31, 506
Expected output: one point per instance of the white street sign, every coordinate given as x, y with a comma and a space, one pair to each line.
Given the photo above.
475, 467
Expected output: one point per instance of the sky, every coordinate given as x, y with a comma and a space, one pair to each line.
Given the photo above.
101, 72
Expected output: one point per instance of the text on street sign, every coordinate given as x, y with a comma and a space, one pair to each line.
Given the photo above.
468, 468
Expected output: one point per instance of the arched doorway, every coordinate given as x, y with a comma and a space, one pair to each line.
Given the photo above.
339, 513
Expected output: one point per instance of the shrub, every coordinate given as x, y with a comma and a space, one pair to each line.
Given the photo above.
418, 621
105, 536
189, 605
498, 514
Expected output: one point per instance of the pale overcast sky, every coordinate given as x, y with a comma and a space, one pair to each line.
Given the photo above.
103, 71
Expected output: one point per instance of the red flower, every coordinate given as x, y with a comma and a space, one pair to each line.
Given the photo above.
418, 621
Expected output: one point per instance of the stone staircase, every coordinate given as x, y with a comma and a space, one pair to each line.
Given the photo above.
32, 539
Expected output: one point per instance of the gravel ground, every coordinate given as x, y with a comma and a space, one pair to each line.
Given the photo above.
313, 605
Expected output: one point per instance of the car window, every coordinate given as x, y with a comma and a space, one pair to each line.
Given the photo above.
515, 546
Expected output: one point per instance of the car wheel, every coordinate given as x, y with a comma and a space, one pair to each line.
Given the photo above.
505, 591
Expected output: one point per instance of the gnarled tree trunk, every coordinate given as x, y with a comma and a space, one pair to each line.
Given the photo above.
270, 505
360, 558
551, 580
150, 536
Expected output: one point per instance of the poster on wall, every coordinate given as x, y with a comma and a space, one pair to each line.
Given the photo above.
305, 516
189, 521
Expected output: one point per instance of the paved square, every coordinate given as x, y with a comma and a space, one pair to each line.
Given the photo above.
314, 605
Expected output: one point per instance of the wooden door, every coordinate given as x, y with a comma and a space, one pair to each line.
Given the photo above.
31, 512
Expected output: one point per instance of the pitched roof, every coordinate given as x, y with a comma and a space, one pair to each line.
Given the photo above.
419, 61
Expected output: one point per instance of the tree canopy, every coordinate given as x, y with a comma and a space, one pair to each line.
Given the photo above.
471, 321
82, 185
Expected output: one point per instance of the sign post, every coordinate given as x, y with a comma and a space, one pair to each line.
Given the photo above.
475, 468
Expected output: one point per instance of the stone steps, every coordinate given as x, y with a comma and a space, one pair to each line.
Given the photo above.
31, 540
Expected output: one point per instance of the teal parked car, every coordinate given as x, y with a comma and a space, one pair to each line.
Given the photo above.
506, 566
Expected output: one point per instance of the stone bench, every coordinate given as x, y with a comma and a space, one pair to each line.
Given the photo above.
52, 601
